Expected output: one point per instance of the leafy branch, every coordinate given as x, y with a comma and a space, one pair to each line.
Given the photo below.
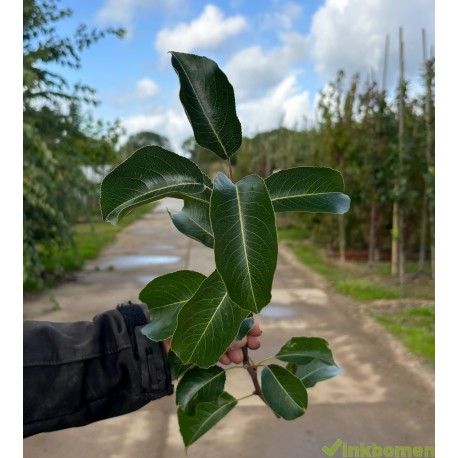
204, 315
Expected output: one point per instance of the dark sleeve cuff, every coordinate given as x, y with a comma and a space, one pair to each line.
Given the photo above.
78, 373
152, 357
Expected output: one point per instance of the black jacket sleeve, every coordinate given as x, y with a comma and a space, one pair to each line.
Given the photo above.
78, 373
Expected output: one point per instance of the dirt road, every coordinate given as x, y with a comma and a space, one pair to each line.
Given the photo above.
384, 395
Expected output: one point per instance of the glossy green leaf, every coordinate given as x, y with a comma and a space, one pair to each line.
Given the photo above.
149, 174
165, 295
313, 372
206, 416
301, 350
209, 103
176, 366
199, 385
308, 189
194, 222
245, 327
283, 392
207, 324
245, 234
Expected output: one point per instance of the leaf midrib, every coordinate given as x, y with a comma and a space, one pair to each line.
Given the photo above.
210, 417
242, 231
305, 195
127, 203
197, 224
206, 327
170, 305
281, 386
202, 108
201, 387
308, 355
310, 373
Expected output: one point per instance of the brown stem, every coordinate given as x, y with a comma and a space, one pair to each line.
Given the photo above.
252, 371
253, 374
229, 166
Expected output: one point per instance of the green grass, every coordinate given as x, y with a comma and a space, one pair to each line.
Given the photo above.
413, 326
89, 240
345, 281
354, 279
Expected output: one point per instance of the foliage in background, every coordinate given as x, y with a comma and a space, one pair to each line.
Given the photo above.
357, 133
143, 138
60, 143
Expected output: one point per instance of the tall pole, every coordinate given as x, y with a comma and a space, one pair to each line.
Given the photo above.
385, 62
401, 167
429, 149
395, 220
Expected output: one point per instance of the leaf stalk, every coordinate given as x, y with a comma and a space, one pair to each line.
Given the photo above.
229, 166
252, 371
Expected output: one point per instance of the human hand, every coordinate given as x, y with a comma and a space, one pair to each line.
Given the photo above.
234, 353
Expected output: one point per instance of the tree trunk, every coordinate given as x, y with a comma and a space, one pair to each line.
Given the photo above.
432, 241
400, 211
429, 148
401, 255
342, 238
371, 253
394, 241
424, 217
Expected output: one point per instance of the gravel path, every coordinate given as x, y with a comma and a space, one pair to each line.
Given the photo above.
384, 395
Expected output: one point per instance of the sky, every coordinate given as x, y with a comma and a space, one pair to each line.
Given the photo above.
277, 54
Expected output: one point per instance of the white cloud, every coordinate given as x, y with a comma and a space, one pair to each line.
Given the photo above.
147, 88
350, 34
285, 18
170, 123
285, 104
208, 31
253, 71
122, 12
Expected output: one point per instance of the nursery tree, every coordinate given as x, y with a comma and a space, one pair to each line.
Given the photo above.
203, 315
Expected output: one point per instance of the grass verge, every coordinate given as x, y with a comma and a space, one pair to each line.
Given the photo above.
414, 326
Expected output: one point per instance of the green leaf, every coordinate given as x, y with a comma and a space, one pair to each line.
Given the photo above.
165, 295
207, 324
194, 221
245, 327
313, 372
245, 234
176, 366
283, 392
199, 385
151, 173
301, 350
209, 102
308, 189
206, 416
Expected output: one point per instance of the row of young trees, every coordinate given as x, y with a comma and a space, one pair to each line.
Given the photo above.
384, 147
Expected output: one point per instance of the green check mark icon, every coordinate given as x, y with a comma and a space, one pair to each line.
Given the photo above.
330, 451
